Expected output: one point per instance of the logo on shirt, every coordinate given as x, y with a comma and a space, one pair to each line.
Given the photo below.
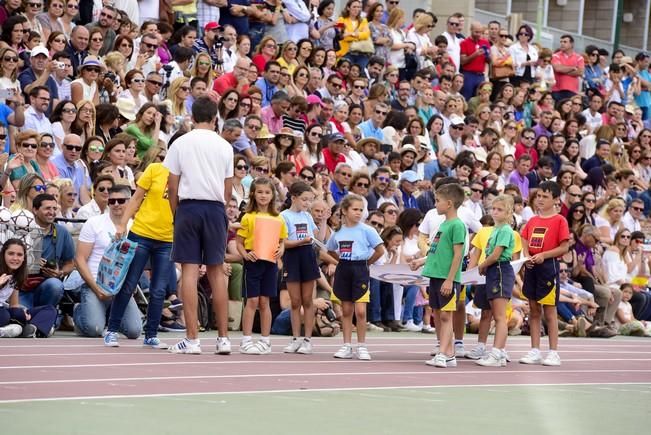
435, 242
301, 231
166, 192
537, 237
346, 250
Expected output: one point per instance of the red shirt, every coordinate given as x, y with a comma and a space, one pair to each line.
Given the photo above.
545, 233
331, 161
566, 82
468, 46
227, 81
520, 150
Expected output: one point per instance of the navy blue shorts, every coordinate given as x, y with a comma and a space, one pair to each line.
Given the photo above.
260, 279
480, 300
439, 302
200, 231
352, 281
500, 280
541, 282
301, 264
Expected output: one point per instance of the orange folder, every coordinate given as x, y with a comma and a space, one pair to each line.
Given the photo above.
266, 235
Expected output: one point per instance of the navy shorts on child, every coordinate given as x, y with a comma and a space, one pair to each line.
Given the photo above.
541, 282
500, 279
439, 302
260, 279
351, 281
301, 264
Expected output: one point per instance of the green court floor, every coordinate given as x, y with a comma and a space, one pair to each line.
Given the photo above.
622, 409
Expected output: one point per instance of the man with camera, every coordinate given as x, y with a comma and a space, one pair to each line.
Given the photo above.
211, 43
62, 69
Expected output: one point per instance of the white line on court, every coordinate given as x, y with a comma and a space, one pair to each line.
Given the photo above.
319, 374
173, 396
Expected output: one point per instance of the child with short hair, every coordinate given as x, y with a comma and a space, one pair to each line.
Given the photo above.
301, 266
626, 322
356, 246
260, 276
500, 277
443, 267
547, 238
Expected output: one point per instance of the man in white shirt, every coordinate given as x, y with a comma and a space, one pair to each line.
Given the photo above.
99, 204
229, 56
35, 119
451, 139
454, 42
631, 219
592, 114
149, 10
199, 184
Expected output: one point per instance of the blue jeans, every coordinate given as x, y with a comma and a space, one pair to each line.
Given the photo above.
409, 311
49, 292
282, 324
380, 307
158, 254
90, 316
360, 59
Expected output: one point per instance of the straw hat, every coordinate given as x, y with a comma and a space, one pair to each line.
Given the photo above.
127, 108
264, 133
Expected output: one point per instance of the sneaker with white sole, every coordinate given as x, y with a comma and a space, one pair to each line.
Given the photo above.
552, 359
249, 348
439, 360
459, 350
344, 352
411, 327
428, 329
476, 353
305, 348
436, 350
492, 359
293, 346
506, 356
223, 346
185, 346
11, 331
370, 327
532, 357
362, 353
264, 347
154, 343
111, 339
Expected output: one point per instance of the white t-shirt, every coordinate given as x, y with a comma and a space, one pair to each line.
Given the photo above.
98, 231
433, 220
148, 10
204, 160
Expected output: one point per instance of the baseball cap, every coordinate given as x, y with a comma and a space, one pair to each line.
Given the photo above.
212, 25
456, 120
39, 49
410, 176
335, 137
314, 99
641, 55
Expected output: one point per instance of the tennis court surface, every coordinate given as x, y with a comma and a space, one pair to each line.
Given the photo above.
71, 385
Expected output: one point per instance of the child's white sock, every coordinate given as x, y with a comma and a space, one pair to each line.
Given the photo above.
246, 338
266, 339
195, 341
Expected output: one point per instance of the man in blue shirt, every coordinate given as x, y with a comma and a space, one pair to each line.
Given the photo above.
341, 179
408, 181
373, 126
39, 75
70, 166
10, 117
644, 99
56, 259
269, 81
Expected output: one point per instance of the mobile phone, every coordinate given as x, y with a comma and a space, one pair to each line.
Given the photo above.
386, 148
51, 264
6, 93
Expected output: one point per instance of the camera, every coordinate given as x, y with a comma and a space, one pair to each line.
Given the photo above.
60, 65
330, 314
111, 76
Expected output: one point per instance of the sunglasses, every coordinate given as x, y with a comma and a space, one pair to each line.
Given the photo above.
562, 271
316, 135
638, 208
35, 5
125, 45
392, 211
47, 144
185, 88
102, 189
260, 169
105, 15
148, 45
336, 85
307, 178
589, 200
97, 39
625, 236
30, 145
72, 194
384, 179
113, 201
96, 148
504, 36
138, 81
345, 174
71, 6
254, 127
381, 112
60, 41
477, 190
72, 148
242, 167
377, 225
457, 127
73, 111
40, 188
3, 136
204, 63
528, 137
155, 83
364, 185
92, 69
579, 211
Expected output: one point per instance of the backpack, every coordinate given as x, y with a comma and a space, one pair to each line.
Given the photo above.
324, 327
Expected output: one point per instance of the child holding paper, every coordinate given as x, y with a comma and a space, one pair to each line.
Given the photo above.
356, 246
301, 266
260, 241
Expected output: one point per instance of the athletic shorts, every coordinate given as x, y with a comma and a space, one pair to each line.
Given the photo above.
200, 231
300, 264
352, 281
500, 280
541, 282
439, 302
480, 300
260, 279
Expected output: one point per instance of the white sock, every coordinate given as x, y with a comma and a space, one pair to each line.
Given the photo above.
361, 344
481, 346
246, 338
266, 339
195, 341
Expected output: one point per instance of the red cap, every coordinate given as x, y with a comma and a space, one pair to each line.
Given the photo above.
211, 26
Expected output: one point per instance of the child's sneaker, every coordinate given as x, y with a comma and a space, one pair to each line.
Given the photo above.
411, 327
249, 348
154, 343
306, 347
11, 331
344, 352
187, 347
450, 361
459, 350
439, 360
223, 346
552, 359
264, 347
477, 352
533, 357
492, 359
111, 339
428, 329
436, 350
293, 346
362, 353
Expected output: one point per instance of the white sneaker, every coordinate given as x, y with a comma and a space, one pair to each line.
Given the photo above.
439, 360
428, 329
477, 352
533, 357
185, 346
506, 356
362, 353
373, 328
451, 361
223, 346
345, 352
492, 359
249, 348
411, 327
305, 348
436, 350
264, 347
293, 346
552, 359
459, 350
11, 331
